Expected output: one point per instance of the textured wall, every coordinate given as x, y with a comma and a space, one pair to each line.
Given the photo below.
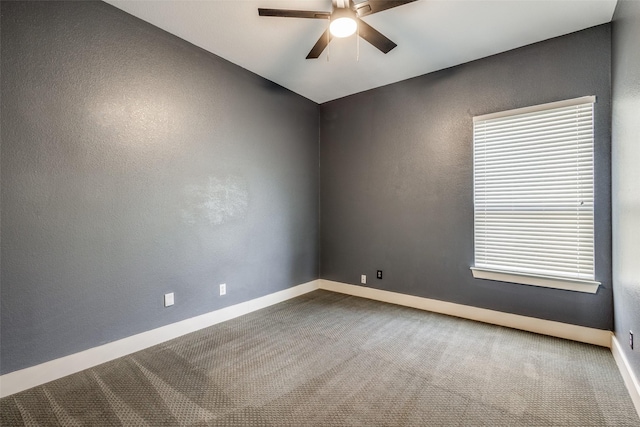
626, 176
135, 164
397, 183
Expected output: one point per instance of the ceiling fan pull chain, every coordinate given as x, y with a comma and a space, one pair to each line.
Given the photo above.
328, 36
358, 44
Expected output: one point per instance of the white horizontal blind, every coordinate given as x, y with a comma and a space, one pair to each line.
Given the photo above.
533, 191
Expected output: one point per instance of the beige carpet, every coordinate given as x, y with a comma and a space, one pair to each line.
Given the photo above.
326, 359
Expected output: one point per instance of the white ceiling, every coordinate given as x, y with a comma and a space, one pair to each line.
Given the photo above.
431, 35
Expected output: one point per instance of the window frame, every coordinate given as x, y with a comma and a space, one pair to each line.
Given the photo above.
526, 278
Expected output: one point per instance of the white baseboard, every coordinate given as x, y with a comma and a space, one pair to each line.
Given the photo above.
24, 379
33, 376
525, 323
630, 379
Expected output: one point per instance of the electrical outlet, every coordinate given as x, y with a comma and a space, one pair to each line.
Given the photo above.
168, 299
223, 289
379, 274
363, 279
631, 339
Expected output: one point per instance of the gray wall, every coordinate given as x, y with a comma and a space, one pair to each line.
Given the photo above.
397, 184
626, 176
135, 164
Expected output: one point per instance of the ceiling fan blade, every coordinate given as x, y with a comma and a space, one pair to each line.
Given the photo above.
375, 37
285, 13
320, 45
374, 6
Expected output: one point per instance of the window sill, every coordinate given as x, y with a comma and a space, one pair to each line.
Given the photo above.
577, 285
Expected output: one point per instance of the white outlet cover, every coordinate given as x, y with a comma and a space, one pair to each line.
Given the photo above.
168, 299
363, 279
223, 289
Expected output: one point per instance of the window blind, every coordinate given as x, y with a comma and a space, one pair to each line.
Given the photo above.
533, 190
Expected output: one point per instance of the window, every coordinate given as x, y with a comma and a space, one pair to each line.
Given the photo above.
533, 195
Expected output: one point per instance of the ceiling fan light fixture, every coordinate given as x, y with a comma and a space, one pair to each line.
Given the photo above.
343, 27
343, 23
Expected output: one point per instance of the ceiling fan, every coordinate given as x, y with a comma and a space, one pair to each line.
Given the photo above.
344, 21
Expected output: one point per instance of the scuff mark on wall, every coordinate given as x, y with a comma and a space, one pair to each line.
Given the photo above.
220, 200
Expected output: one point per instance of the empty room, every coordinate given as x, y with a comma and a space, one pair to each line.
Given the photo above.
317, 213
